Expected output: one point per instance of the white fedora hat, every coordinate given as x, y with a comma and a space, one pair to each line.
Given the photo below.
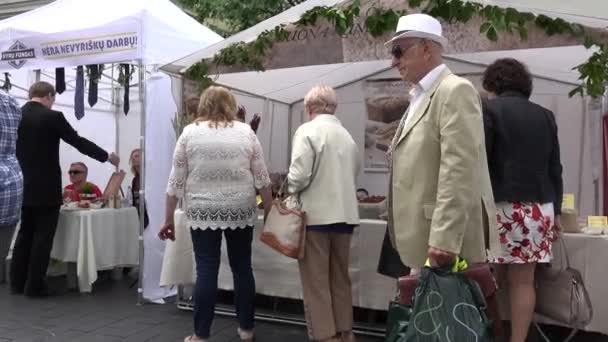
419, 26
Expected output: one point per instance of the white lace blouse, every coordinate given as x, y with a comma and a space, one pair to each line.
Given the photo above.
216, 171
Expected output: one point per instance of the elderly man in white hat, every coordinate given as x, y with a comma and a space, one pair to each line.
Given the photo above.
440, 192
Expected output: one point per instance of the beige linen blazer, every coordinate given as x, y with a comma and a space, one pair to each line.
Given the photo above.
324, 168
441, 194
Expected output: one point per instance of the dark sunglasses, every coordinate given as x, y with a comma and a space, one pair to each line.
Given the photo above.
74, 172
397, 51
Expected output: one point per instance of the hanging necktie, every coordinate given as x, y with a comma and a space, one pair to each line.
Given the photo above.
60, 80
79, 93
93, 84
7, 83
126, 105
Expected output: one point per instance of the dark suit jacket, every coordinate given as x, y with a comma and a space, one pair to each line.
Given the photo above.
523, 151
40, 132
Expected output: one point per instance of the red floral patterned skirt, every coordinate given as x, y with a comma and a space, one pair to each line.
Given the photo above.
526, 233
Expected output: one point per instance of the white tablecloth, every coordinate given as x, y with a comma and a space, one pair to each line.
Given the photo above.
278, 276
97, 239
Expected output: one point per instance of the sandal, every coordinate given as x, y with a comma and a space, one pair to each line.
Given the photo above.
193, 338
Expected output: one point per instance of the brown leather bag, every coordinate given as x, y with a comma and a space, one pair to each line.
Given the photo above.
481, 273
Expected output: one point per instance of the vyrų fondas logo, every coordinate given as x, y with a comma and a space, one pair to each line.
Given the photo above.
17, 55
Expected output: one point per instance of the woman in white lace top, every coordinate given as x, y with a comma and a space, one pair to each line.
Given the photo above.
217, 166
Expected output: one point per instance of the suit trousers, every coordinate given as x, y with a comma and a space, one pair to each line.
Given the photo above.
326, 284
6, 237
32, 249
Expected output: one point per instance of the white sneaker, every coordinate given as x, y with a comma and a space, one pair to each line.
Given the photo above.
245, 335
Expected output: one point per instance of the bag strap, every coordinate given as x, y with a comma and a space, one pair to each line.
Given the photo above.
580, 283
564, 250
315, 168
573, 332
281, 193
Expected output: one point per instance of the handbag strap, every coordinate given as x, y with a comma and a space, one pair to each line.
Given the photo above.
564, 251
581, 285
281, 193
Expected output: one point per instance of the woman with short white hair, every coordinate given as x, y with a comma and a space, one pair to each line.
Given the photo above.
323, 172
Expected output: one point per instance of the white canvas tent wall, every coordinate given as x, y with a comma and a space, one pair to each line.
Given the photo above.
68, 33
278, 95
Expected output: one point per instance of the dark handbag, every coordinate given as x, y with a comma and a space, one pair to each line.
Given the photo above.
389, 263
563, 296
481, 274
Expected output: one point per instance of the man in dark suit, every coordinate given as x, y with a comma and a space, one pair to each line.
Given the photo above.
40, 132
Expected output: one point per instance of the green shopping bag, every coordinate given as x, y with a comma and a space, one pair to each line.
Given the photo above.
397, 322
447, 307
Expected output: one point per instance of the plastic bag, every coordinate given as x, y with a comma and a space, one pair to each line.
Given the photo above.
397, 321
447, 307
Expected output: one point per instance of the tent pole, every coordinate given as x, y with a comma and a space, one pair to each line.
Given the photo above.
142, 179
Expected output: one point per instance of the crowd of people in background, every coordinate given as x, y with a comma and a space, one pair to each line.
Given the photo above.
462, 171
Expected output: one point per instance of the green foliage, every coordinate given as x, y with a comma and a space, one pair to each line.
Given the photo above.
379, 21
496, 20
235, 15
342, 19
593, 74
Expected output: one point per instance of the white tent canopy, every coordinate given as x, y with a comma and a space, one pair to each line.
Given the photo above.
69, 33
291, 15
76, 32
288, 86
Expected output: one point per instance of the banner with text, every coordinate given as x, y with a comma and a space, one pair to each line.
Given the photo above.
112, 44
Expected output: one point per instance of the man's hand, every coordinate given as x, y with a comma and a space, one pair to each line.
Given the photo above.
114, 159
440, 258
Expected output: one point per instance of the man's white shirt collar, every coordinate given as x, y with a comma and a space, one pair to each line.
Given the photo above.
427, 81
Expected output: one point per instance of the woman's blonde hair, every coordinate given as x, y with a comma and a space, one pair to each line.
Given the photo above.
218, 106
321, 99
133, 170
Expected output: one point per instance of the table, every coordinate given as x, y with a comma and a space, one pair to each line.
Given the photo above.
96, 239
277, 275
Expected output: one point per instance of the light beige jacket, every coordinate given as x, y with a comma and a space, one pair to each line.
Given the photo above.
324, 167
441, 195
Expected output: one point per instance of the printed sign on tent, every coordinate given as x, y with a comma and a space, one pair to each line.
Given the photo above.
121, 43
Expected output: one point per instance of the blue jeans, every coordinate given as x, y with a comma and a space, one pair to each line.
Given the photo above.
207, 251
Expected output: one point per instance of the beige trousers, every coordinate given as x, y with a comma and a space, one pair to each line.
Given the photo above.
328, 302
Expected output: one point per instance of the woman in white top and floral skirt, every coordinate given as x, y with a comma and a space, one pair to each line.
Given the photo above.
217, 166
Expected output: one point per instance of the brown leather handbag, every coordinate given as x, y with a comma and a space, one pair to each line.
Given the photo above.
481, 273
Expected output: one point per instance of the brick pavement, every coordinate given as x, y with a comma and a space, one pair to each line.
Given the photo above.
110, 314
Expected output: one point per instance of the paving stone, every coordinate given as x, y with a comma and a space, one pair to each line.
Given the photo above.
110, 314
